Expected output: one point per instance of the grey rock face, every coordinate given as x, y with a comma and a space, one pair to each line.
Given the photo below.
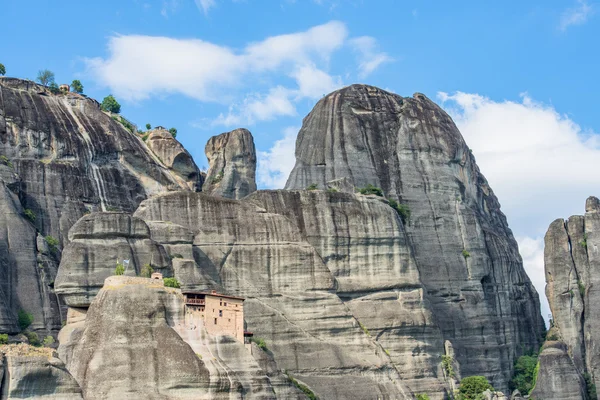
572, 265
252, 249
362, 242
97, 242
30, 373
126, 348
172, 154
64, 157
558, 378
232, 165
468, 260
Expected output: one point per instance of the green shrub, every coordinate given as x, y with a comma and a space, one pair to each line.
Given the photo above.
4, 160
52, 242
553, 336
524, 374
402, 210
2, 69
24, 319
312, 186
472, 386
590, 386
120, 269
173, 132
332, 190
76, 86
54, 89
30, 215
422, 397
370, 189
305, 389
45, 77
48, 340
148, 126
33, 338
147, 271
4, 338
364, 328
260, 343
447, 366
171, 282
109, 103
466, 254
583, 243
581, 287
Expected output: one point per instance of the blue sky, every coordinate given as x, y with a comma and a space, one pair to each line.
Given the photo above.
519, 77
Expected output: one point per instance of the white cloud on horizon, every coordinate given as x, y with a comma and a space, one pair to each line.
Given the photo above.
275, 165
576, 16
368, 57
539, 163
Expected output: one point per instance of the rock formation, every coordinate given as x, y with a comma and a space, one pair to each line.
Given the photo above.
97, 243
465, 253
173, 155
572, 265
232, 164
35, 373
62, 157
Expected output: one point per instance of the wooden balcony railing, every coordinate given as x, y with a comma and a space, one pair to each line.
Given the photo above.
196, 302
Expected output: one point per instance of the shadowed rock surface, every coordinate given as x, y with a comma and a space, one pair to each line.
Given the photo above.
232, 164
33, 373
572, 265
467, 257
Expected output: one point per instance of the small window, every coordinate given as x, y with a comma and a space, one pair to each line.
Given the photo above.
220, 313
215, 321
220, 302
229, 320
225, 304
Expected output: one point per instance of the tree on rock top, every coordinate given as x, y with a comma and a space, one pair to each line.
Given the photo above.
173, 132
45, 77
2, 70
76, 86
472, 387
110, 104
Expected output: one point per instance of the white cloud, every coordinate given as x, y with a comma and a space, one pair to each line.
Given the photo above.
205, 5
138, 67
369, 58
577, 15
541, 164
258, 108
313, 82
275, 165
532, 252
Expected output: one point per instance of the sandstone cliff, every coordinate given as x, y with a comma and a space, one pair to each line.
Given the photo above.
572, 262
466, 255
232, 164
62, 157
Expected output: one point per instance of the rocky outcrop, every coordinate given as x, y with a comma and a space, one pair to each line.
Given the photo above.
291, 301
572, 266
557, 378
97, 243
127, 349
173, 155
136, 342
466, 255
232, 165
35, 373
62, 157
